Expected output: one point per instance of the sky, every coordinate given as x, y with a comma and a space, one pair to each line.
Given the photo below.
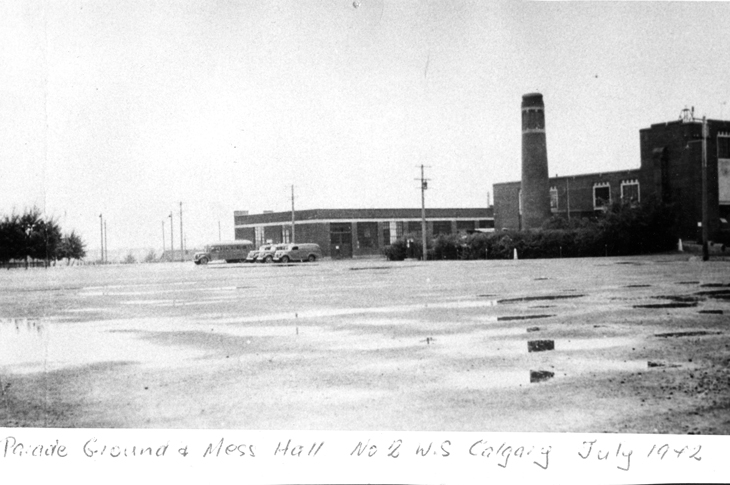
127, 109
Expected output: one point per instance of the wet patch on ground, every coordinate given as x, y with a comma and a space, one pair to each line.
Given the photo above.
538, 298
717, 294
638, 286
522, 317
715, 285
711, 312
375, 268
689, 333
540, 376
687, 283
540, 345
668, 305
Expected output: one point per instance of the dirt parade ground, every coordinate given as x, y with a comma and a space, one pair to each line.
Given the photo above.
637, 345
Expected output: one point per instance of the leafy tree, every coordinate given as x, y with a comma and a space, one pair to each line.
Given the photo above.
130, 259
71, 247
151, 256
12, 238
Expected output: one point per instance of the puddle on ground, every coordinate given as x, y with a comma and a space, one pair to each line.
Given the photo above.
712, 312
34, 345
538, 298
540, 376
541, 279
668, 305
372, 267
638, 286
522, 317
631, 263
689, 333
715, 285
687, 283
540, 345
678, 298
717, 294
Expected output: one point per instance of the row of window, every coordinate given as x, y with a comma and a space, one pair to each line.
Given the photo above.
630, 192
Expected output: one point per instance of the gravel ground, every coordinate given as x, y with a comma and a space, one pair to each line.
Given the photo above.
634, 345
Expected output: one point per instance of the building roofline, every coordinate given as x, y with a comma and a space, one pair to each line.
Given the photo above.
582, 175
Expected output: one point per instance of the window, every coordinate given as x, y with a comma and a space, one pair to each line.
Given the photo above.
441, 227
463, 226
259, 235
366, 234
286, 234
601, 195
414, 227
723, 145
553, 199
630, 191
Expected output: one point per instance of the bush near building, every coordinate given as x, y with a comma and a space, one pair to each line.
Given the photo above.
624, 229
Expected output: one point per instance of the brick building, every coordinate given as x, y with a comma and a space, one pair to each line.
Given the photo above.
671, 163
345, 233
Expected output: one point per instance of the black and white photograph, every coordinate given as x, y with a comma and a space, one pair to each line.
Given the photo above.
371, 216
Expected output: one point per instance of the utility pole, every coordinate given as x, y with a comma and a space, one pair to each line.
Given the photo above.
106, 246
101, 231
164, 247
424, 187
293, 238
182, 240
172, 244
567, 196
705, 215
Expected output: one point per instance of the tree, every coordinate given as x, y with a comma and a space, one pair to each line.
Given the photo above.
151, 256
130, 259
71, 247
12, 238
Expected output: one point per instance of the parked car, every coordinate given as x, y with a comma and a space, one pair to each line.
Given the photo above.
254, 254
267, 255
298, 252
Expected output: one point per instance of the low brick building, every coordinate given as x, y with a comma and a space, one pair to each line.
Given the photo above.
345, 233
670, 170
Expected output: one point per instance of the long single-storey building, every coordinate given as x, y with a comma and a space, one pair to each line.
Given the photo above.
346, 233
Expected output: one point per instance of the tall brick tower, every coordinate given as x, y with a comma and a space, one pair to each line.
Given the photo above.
535, 185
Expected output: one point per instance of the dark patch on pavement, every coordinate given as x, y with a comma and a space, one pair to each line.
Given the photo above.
522, 317
668, 305
533, 329
540, 375
690, 333
717, 294
687, 283
712, 312
540, 345
715, 285
372, 267
638, 286
538, 298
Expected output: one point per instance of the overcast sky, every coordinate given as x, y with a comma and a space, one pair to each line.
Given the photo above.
129, 108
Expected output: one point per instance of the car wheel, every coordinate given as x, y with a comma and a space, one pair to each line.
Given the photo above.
268, 259
285, 259
312, 258
203, 260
